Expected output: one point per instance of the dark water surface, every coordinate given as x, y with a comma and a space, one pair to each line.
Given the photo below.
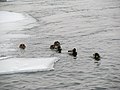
89, 25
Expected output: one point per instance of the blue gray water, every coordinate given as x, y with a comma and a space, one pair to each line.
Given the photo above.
88, 25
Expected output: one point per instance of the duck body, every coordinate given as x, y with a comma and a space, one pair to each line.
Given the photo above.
59, 49
72, 52
96, 56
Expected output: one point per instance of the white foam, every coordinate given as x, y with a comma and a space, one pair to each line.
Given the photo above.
17, 65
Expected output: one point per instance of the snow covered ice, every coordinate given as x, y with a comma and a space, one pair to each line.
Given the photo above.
10, 21
10, 16
17, 65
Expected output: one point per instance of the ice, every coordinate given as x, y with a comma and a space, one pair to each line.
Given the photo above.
10, 16
18, 65
12, 21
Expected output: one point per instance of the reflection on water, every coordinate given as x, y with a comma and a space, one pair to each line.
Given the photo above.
97, 63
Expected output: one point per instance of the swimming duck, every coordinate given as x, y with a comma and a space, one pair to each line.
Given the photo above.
52, 46
96, 56
56, 43
22, 46
73, 52
59, 49
56, 46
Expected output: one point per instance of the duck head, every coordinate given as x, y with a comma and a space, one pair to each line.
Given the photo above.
56, 43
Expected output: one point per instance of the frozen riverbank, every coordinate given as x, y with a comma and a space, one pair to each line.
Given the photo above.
11, 21
18, 65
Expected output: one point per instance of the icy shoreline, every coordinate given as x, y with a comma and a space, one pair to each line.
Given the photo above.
11, 21
20, 65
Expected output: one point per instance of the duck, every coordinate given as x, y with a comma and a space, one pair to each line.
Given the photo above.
96, 56
52, 46
56, 43
56, 46
22, 46
73, 52
59, 49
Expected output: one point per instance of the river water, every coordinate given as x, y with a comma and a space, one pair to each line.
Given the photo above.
88, 25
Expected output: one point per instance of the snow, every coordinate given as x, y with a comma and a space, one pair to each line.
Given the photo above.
18, 65
11, 21
10, 16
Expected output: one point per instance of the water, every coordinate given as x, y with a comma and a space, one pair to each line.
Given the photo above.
88, 25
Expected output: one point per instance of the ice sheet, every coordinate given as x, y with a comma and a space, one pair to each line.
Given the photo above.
6, 16
12, 21
17, 65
